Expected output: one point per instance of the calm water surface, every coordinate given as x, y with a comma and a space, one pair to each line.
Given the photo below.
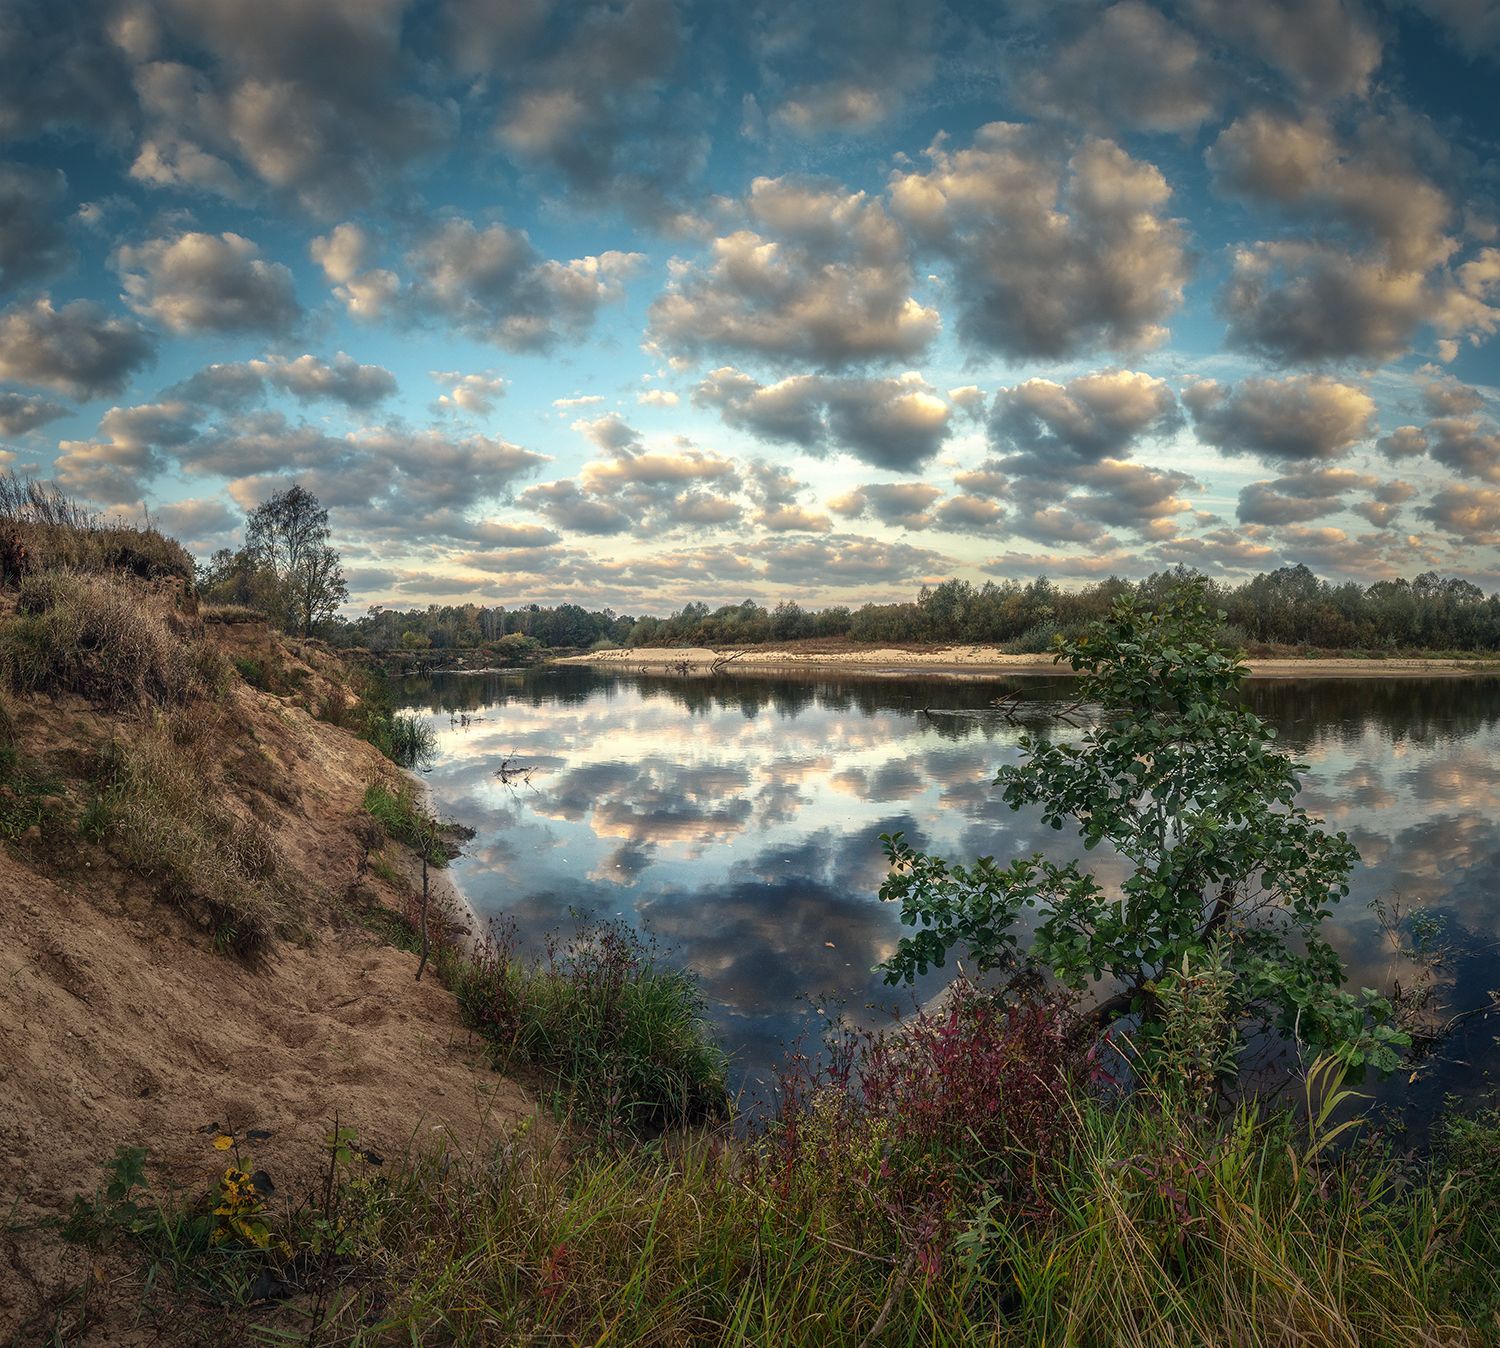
738, 819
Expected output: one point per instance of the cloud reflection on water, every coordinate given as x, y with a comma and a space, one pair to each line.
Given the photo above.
740, 819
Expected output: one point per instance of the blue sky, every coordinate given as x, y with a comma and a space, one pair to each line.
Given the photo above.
644, 302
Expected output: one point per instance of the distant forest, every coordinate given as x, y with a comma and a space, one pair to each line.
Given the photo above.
1290, 607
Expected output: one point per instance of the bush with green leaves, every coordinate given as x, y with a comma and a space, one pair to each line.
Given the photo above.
1222, 864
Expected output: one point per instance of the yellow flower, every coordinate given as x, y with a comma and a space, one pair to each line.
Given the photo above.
223, 1142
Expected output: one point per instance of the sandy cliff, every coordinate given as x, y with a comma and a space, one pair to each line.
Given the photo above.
122, 1020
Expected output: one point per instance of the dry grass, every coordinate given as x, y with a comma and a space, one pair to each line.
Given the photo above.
42, 530
96, 636
231, 615
155, 815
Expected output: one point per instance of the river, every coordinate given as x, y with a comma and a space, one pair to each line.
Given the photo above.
739, 819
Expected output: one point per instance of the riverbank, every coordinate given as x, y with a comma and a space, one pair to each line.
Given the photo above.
982, 661
207, 945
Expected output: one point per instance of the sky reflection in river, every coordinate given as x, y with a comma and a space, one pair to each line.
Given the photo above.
740, 819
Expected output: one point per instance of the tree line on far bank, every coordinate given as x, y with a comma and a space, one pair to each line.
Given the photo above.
289, 571
1290, 607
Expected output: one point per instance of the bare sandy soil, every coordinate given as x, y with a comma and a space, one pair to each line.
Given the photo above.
121, 1026
982, 660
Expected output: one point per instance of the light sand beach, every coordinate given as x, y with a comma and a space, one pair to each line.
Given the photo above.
984, 660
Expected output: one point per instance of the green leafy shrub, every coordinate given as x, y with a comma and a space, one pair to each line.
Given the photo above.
1188, 789
621, 1034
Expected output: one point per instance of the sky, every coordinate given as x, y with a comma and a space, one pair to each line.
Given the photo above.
644, 302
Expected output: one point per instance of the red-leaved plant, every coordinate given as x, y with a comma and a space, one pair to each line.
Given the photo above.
975, 1098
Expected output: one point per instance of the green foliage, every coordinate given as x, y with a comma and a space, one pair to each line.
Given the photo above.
253, 672
402, 736
619, 1036
216, 1250
517, 646
1223, 866
1194, 1046
400, 814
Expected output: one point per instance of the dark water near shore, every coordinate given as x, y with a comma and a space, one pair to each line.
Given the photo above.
738, 819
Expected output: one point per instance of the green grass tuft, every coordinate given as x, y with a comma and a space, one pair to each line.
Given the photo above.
401, 816
618, 1035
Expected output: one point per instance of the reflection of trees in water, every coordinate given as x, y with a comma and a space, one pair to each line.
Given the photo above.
1423, 711
958, 709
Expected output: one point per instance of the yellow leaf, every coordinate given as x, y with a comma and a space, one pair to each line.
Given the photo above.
223, 1142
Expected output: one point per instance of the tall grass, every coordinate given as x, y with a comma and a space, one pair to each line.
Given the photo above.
616, 1033
41, 530
1248, 1231
153, 813
412, 742
92, 635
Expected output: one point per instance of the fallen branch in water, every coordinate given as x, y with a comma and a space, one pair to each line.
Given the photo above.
510, 771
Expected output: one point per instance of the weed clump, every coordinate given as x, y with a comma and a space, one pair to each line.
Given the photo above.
618, 1033
402, 818
224, 870
403, 737
91, 635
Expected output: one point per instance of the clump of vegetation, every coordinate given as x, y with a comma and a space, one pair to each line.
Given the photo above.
407, 739
153, 814
618, 1034
42, 530
972, 1103
1142, 1228
398, 810
93, 636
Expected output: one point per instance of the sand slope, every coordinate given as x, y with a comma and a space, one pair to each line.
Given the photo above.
121, 1026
